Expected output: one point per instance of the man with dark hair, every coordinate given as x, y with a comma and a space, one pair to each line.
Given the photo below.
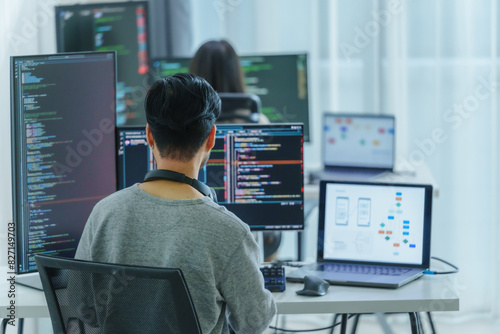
165, 223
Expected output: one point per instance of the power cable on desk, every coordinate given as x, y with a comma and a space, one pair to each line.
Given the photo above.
309, 330
431, 272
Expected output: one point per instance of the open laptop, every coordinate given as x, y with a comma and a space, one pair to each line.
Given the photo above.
357, 146
371, 234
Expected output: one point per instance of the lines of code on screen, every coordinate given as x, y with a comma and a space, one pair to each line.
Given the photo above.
257, 172
118, 26
135, 158
63, 139
281, 83
279, 80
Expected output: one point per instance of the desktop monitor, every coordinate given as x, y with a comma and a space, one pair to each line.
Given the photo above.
279, 80
63, 147
256, 171
120, 26
358, 141
134, 156
162, 68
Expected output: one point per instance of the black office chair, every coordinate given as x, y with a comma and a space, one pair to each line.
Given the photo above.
239, 108
90, 297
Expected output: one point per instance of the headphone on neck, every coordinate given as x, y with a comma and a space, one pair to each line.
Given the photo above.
164, 174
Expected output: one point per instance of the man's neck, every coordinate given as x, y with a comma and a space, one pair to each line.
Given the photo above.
187, 168
170, 189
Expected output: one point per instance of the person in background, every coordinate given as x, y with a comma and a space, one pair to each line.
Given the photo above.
217, 62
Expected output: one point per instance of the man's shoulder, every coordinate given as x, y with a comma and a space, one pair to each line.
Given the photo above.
132, 199
121, 197
219, 215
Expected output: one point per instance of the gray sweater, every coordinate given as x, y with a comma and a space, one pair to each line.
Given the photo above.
214, 249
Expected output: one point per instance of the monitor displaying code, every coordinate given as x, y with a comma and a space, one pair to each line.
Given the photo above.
63, 148
120, 26
256, 171
279, 80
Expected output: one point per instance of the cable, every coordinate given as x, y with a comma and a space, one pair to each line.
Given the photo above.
310, 330
431, 272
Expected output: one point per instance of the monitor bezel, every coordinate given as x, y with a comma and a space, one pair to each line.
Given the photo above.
357, 115
16, 137
426, 245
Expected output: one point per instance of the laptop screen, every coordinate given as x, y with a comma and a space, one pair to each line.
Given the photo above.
363, 141
375, 222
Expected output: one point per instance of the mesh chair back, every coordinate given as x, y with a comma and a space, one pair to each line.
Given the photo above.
89, 297
239, 108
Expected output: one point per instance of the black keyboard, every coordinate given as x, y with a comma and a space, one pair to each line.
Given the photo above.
274, 277
364, 269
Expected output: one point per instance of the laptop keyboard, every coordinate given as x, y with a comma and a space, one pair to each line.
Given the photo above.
363, 269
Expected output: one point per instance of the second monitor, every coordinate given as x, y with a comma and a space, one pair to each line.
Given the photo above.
279, 80
358, 141
256, 170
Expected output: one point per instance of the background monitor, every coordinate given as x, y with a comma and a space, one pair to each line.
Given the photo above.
279, 80
256, 170
162, 68
120, 26
134, 156
358, 140
63, 147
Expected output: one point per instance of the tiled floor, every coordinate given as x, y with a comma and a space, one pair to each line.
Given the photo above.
399, 323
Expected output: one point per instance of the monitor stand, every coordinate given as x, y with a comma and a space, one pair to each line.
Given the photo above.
31, 280
259, 238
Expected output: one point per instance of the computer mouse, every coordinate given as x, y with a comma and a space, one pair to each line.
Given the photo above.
314, 286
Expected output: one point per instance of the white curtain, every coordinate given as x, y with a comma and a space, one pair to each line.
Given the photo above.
438, 73
435, 64
19, 25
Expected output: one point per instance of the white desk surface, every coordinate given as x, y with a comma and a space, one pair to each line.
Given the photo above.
30, 303
421, 175
429, 293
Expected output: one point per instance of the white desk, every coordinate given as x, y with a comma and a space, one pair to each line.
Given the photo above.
30, 303
421, 175
429, 293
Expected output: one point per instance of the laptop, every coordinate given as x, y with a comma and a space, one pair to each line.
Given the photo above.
357, 146
371, 234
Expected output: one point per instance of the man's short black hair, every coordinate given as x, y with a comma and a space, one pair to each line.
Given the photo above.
181, 110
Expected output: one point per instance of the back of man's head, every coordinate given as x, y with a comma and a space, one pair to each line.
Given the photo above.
181, 110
